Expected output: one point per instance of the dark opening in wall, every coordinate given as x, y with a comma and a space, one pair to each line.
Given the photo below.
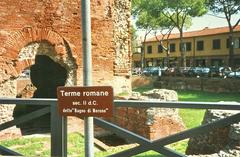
46, 75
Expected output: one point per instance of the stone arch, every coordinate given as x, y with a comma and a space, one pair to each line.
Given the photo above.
28, 36
15, 57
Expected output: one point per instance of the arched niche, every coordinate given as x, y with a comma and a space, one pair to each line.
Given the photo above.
22, 48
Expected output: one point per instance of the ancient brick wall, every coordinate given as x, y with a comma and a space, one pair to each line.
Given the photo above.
199, 84
53, 28
59, 23
143, 122
152, 123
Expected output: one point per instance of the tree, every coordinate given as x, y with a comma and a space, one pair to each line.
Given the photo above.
179, 12
149, 23
165, 34
144, 22
133, 38
229, 8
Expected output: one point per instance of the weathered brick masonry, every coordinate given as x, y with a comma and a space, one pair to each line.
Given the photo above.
53, 28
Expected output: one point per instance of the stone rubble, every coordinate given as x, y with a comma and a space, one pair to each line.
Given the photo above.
222, 142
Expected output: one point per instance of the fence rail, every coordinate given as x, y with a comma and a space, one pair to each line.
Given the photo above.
59, 125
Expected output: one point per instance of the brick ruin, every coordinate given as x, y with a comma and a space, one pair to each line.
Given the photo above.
52, 28
150, 122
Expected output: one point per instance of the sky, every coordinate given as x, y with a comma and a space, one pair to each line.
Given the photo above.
199, 23
210, 21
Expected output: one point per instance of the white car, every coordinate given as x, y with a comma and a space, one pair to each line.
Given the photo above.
234, 74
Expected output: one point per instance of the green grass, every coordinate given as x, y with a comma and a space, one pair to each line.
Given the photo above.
143, 89
207, 96
40, 146
201, 96
193, 117
29, 146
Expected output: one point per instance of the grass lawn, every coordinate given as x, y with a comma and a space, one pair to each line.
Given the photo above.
29, 146
191, 117
207, 96
40, 146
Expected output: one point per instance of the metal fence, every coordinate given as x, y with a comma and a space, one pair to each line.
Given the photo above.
59, 125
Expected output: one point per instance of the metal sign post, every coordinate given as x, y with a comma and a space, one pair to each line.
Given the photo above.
87, 73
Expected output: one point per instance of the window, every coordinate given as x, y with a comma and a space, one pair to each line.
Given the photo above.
236, 43
200, 45
227, 43
149, 49
216, 62
216, 44
187, 46
172, 47
160, 49
201, 62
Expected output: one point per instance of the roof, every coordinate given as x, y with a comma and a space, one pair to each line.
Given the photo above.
204, 32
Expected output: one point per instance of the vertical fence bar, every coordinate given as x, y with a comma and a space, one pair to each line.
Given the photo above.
58, 133
87, 73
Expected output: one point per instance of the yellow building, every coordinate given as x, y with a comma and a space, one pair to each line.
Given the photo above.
207, 47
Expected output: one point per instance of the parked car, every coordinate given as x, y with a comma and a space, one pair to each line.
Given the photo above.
162, 71
136, 71
150, 71
146, 71
183, 71
219, 71
234, 74
225, 71
215, 71
198, 71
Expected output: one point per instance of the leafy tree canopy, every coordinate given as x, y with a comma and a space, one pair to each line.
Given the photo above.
228, 7
179, 12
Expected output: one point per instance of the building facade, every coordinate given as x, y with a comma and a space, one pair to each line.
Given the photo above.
207, 47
